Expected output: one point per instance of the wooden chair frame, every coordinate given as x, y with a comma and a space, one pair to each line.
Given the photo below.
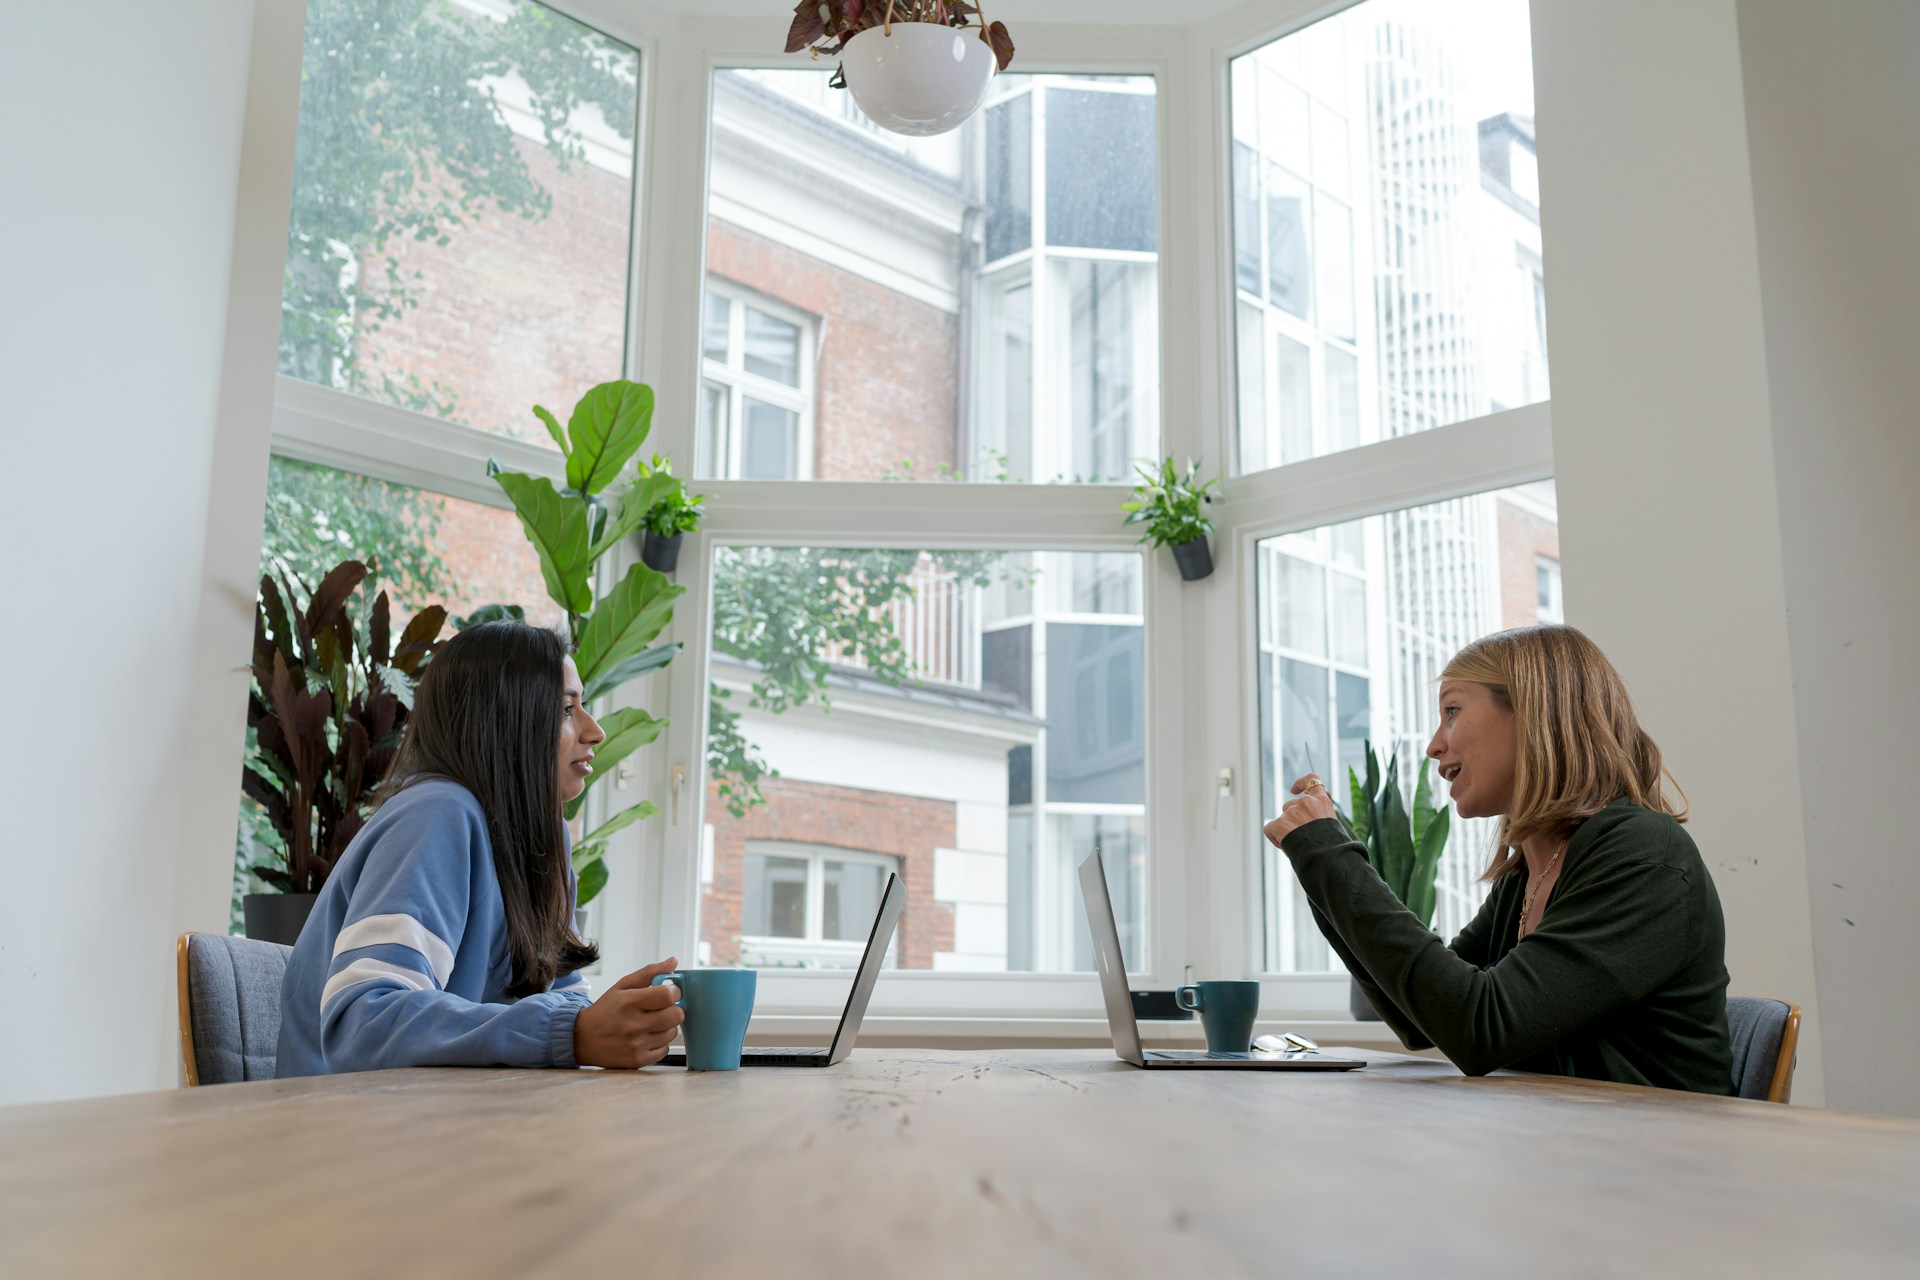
186, 1011
1781, 1088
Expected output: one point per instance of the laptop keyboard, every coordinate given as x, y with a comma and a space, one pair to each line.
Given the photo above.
763, 1052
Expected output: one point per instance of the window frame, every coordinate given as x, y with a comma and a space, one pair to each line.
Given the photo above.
1201, 728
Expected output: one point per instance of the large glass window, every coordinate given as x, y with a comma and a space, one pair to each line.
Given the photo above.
974, 719
1356, 621
462, 206
983, 304
1386, 227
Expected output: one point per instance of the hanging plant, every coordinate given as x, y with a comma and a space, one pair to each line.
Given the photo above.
826, 26
906, 62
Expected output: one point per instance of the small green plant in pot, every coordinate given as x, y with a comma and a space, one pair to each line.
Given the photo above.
325, 716
671, 515
1403, 844
1171, 504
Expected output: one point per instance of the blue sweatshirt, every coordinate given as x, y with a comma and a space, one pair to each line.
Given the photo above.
404, 961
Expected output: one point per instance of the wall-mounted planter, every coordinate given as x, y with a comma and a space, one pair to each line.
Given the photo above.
1195, 559
660, 554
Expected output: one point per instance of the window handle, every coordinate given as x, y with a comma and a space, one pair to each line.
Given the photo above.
679, 776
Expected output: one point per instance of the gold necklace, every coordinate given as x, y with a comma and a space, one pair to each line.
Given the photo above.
1526, 904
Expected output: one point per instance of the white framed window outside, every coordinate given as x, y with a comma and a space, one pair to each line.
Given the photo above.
804, 906
1547, 589
756, 387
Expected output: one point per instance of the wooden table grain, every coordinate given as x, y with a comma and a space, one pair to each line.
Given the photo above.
950, 1163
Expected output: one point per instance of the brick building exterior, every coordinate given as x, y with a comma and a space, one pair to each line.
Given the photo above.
908, 828
1525, 537
551, 324
516, 311
889, 369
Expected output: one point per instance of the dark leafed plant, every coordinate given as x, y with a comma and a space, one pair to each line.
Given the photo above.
327, 711
825, 26
613, 631
1403, 845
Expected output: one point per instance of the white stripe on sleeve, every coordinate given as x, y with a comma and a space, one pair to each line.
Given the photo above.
367, 969
400, 930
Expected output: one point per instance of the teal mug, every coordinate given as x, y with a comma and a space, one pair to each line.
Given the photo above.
1227, 1011
718, 1004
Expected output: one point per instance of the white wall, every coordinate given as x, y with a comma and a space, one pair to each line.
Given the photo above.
120, 139
1833, 126
1663, 442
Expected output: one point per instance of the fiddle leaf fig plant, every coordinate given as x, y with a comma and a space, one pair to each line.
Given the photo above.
1404, 845
327, 710
613, 632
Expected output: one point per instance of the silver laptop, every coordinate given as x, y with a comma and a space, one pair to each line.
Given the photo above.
1126, 1032
878, 939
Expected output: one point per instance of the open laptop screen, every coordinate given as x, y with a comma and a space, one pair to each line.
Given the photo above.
1110, 961
878, 939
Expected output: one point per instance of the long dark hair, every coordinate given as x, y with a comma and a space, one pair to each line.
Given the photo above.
487, 715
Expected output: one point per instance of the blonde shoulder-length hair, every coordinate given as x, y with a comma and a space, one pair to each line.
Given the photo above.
1578, 746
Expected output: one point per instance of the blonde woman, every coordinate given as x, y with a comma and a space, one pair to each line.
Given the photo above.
1600, 951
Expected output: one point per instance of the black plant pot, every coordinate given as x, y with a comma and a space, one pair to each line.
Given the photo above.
1195, 559
276, 917
1358, 1004
660, 554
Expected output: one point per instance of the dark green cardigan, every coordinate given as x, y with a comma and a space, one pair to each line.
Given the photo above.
1625, 979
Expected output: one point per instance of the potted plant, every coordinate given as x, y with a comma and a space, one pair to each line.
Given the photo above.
1404, 845
613, 631
905, 61
672, 514
327, 710
1169, 503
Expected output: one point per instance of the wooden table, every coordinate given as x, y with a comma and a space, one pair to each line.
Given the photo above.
916, 1163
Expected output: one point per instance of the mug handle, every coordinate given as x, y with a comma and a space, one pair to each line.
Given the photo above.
675, 979
1181, 997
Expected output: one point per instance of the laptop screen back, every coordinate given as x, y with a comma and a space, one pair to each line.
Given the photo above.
891, 900
1112, 964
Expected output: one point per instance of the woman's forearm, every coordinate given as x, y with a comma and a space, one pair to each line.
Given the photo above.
1390, 1013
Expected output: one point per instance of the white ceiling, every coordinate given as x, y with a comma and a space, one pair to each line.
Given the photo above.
1012, 12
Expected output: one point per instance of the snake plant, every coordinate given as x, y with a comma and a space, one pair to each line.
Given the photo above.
1403, 845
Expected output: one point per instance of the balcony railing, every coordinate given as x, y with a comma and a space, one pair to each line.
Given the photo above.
938, 626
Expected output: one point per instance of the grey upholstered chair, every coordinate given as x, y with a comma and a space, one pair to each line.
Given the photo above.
229, 1007
1766, 1038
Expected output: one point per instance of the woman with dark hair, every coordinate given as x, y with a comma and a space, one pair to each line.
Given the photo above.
444, 936
1600, 951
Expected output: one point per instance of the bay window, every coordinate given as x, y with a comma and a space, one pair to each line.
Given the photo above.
914, 377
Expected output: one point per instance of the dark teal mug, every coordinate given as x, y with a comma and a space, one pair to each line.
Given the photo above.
718, 1004
1227, 1011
